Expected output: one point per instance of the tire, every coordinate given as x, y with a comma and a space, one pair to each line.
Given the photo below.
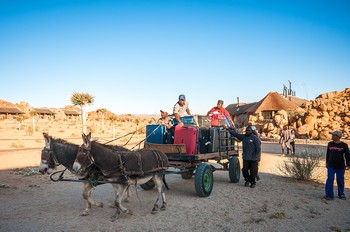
234, 169
187, 175
148, 185
204, 180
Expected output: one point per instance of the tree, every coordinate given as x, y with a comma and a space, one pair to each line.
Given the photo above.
82, 100
102, 112
33, 113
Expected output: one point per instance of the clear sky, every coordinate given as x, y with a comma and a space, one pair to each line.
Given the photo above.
138, 56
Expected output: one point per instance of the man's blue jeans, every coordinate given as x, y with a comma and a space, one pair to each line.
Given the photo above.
330, 180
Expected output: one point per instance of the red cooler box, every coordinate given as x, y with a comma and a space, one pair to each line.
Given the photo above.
187, 135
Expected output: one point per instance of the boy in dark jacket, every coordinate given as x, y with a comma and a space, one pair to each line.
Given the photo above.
251, 155
337, 157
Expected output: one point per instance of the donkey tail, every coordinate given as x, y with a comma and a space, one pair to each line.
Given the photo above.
165, 183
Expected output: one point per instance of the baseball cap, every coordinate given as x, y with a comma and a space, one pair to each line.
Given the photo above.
163, 110
337, 133
182, 97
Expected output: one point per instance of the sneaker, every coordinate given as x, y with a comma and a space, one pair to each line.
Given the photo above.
246, 184
283, 155
327, 198
252, 185
342, 197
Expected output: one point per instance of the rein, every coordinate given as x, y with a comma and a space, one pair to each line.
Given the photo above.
122, 137
93, 182
138, 144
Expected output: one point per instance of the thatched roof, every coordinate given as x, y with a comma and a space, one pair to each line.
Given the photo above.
238, 108
71, 112
10, 110
297, 100
273, 101
43, 111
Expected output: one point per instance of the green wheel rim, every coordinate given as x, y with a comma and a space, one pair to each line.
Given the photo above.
207, 180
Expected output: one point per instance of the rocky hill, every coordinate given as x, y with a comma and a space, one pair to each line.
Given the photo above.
315, 118
328, 112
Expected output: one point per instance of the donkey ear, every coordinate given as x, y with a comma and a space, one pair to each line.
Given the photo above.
89, 136
47, 140
84, 137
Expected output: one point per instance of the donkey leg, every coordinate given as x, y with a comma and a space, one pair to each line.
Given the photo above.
162, 192
119, 191
89, 201
157, 179
128, 195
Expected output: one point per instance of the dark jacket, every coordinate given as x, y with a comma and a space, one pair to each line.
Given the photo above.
336, 154
251, 145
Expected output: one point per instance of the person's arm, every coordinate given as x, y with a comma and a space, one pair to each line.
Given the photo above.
227, 114
327, 155
347, 155
235, 134
176, 113
281, 137
257, 147
177, 117
188, 111
209, 113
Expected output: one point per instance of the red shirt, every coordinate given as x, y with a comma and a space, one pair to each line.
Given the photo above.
218, 114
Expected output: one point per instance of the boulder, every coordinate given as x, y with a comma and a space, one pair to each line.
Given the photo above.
313, 134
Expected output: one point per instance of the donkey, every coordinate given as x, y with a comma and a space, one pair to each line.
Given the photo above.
60, 152
138, 167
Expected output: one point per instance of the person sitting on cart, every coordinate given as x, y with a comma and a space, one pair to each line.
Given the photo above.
219, 112
251, 154
168, 122
165, 119
180, 108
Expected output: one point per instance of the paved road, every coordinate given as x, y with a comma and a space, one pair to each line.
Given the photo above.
275, 148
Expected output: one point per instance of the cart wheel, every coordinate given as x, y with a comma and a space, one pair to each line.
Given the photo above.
234, 169
204, 180
148, 185
187, 175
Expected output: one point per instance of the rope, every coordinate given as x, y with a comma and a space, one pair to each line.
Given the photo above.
121, 137
59, 178
129, 139
138, 144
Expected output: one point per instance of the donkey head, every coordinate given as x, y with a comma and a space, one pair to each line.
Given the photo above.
83, 160
48, 161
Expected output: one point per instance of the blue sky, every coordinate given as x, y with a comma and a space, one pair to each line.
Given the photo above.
138, 56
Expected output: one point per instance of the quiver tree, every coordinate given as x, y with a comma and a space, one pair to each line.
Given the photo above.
102, 112
82, 100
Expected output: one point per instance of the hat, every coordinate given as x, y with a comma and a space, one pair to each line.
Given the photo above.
337, 133
182, 97
163, 110
221, 101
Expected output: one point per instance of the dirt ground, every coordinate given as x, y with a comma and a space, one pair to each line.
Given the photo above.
32, 202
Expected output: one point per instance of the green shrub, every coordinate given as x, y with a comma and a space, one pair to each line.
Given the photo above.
303, 166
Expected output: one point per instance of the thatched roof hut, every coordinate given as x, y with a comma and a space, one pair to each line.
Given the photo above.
273, 101
10, 110
238, 108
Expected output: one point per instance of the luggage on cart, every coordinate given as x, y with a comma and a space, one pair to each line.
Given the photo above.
214, 139
219, 139
204, 140
187, 135
186, 120
204, 121
156, 134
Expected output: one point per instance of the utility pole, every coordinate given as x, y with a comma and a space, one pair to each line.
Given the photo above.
290, 88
